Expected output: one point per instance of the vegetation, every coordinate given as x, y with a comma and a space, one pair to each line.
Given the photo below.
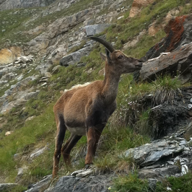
132, 183
39, 132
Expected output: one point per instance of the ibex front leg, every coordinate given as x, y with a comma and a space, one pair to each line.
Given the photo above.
93, 135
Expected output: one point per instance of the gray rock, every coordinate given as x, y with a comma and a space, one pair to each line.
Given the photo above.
12, 4
75, 56
55, 69
159, 172
7, 186
38, 152
97, 183
41, 185
95, 29
148, 154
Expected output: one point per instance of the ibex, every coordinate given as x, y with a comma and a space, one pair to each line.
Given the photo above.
85, 109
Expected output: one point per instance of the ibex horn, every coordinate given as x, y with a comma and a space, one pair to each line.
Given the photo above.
103, 42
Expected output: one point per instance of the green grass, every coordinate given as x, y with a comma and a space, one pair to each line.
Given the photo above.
132, 183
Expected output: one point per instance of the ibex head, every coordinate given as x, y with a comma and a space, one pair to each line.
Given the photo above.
120, 62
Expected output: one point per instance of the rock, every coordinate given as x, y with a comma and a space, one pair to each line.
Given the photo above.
92, 30
148, 154
38, 152
171, 63
178, 32
9, 55
12, 4
55, 69
7, 186
22, 170
55, 30
30, 95
29, 118
82, 173
92, 183
48, 75
75, 56
166, 118
159, 172
41, 185
8, 133
24, 59
138, 5
44, 67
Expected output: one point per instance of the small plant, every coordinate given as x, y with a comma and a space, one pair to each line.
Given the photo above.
106, 163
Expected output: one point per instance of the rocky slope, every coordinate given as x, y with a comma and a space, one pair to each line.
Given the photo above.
15, 4
31, 78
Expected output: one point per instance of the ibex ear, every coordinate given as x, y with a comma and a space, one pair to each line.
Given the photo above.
108, 56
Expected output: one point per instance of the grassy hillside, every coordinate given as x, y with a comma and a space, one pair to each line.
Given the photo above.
41, 130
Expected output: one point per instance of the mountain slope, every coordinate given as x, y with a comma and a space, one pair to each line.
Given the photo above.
50, 34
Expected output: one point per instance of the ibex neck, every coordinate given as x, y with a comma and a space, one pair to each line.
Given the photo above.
110, 87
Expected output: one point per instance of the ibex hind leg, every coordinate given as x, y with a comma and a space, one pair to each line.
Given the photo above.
61, 128
66, 149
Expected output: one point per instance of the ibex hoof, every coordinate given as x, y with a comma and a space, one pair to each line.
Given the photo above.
88, 166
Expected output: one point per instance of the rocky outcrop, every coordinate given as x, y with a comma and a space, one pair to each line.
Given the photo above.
170, 156
178, 33
9, 55
15, 4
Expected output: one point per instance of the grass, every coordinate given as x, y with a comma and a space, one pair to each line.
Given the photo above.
132, 183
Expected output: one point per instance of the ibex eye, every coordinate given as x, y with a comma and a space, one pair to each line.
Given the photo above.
120, 57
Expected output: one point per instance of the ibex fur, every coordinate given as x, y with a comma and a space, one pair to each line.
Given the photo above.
84, 110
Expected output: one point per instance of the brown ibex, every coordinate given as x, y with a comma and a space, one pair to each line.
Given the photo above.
85, 109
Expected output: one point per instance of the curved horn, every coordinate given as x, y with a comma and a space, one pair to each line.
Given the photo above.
103, 42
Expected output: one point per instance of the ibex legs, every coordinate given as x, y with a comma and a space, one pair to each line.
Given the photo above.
93, 135
61, 128
66, 149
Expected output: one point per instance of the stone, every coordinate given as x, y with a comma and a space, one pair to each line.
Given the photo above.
48, 74
7, 186
147, 154
8, 133
41, 185
138, 5
55, 69
22, 170
178, 33
38, 152
159, 172
29, 118
178, 60
9, 55
12, 4
75, 57
92, 30
92, 183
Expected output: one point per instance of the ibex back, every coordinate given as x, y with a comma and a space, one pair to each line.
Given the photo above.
85, 109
